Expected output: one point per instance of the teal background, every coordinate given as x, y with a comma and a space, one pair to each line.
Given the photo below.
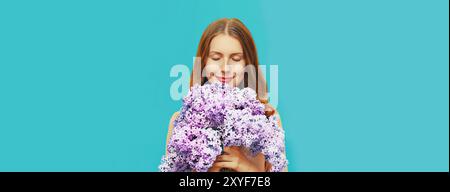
363, 85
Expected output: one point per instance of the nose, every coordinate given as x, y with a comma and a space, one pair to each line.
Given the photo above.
225, 68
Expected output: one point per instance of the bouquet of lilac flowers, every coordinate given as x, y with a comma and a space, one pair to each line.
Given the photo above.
217, 115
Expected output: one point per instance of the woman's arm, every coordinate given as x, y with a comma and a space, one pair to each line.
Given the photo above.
280, 125
268, 166
169, 133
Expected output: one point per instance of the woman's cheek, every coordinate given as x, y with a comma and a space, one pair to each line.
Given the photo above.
238, 70
211, 68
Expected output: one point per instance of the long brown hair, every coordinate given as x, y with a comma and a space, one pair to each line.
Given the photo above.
235, 28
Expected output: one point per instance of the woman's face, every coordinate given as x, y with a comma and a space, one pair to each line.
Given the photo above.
225, 61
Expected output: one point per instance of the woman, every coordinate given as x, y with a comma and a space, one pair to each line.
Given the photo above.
227, 54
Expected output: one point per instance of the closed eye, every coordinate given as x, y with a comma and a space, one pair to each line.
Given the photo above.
237, 57
215, 58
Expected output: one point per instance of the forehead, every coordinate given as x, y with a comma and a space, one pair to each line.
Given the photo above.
225, 44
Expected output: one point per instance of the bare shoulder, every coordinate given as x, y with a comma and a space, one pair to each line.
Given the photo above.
274, 112
280, 125
172, 119
169, 132
279, 119
174, 116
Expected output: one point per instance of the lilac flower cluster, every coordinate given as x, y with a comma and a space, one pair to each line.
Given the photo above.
217, 115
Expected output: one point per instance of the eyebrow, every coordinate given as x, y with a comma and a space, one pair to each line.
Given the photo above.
232, 54
215, 52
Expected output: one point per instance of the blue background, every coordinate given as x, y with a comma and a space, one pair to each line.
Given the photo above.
363, 85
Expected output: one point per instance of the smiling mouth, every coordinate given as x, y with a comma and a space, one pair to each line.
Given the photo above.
224, 79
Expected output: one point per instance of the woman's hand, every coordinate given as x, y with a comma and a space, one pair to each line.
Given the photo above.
235, 159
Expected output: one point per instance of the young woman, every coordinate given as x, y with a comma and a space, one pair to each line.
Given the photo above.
227, 54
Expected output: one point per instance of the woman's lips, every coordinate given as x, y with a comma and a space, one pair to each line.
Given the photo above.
224, 79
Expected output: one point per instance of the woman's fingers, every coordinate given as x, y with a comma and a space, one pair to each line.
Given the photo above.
229, 165
231, 150
227, 149
226, 158
223, 161
214, 169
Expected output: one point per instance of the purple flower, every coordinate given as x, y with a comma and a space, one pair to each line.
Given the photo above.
214, 116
